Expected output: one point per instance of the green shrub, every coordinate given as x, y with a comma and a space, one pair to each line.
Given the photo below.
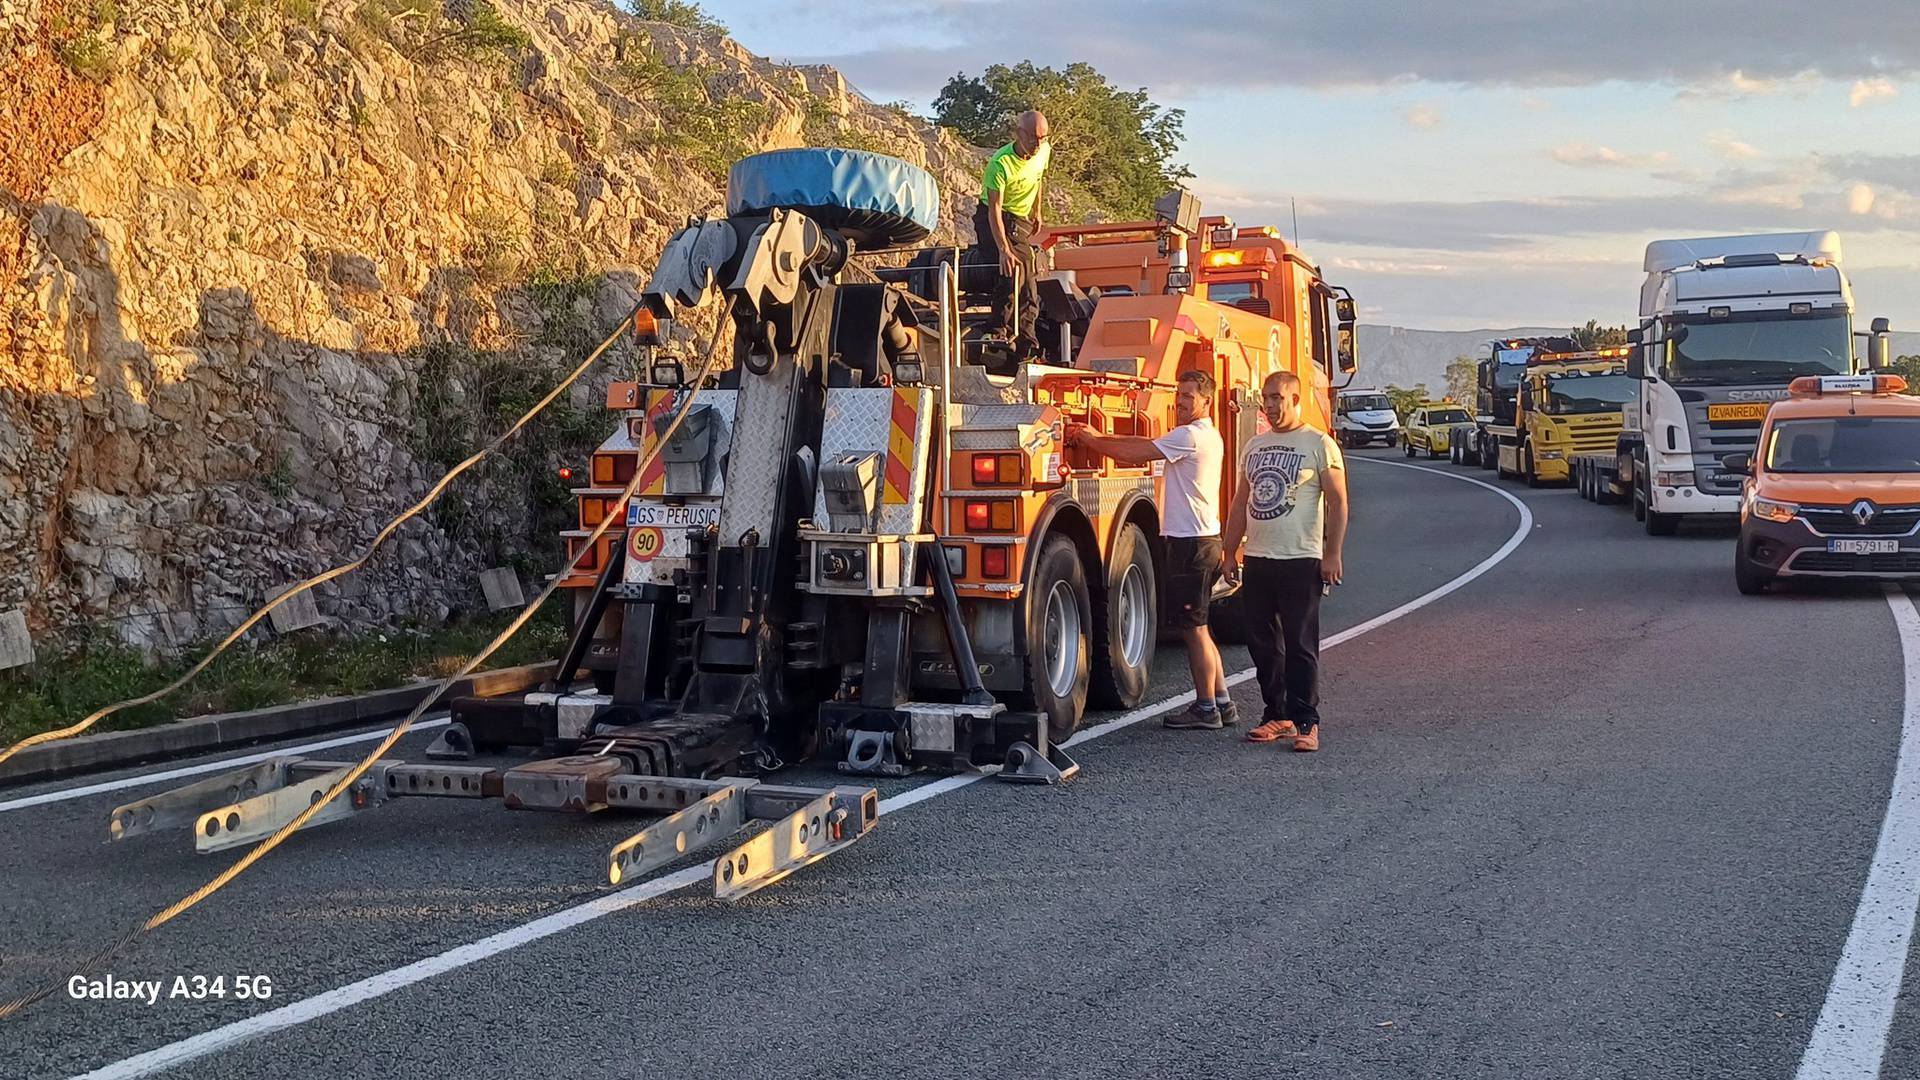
679, 13
707, 130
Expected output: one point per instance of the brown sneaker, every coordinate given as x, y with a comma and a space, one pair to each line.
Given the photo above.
1195, 718
1308, 741
1273, 731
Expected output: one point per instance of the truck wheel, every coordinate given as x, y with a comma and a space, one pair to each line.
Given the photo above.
1751, 580
1128, 624
1058, 619
1527, 472
1489, 456
1659, 524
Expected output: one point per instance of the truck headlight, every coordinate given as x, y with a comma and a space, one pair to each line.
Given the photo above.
1768, 510
1551, 455
1673, 479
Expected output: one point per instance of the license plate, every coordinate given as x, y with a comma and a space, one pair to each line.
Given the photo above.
656, 516
1733, 414
1863, 547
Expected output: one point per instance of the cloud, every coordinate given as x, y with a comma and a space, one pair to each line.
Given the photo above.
1866, 90
1731, 148
1737, 84
1389, 266
1254, 44
1581, 154
1890, 170
1441, 230
1859, 199
1423, 116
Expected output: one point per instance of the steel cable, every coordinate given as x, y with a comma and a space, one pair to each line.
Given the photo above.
353, 775
327, 575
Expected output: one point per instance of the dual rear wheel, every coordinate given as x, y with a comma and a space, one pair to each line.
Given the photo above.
1080, 651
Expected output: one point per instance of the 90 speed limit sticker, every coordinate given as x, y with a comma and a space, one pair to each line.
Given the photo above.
643, 544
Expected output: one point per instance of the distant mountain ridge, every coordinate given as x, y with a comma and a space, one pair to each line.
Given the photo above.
1402, 356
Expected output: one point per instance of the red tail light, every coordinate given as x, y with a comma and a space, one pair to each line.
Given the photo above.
993, 562
996, 469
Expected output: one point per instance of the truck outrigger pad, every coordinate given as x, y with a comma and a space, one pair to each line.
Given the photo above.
806, 824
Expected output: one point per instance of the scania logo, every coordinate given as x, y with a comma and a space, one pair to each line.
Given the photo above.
1756, 395
1864, 512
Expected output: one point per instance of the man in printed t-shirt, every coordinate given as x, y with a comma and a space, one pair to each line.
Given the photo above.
1291, 508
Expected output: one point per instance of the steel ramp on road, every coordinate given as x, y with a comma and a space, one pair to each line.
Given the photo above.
806, 824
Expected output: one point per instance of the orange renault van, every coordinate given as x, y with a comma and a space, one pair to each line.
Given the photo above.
1833, 488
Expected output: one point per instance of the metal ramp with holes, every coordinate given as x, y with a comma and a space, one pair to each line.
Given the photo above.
805, 824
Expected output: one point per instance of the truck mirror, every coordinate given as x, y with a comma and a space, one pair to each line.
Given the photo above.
1881, 326
1637, 362
1635, 336
1346, 314
1879, 355
1347, 351
1740, 463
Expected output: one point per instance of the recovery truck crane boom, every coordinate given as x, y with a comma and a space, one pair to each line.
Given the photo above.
863, 539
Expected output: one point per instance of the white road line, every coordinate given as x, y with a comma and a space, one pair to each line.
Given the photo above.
332, 1001
1850, 1036
204, 767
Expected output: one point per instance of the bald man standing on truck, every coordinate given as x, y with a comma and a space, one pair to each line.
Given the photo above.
1007, 222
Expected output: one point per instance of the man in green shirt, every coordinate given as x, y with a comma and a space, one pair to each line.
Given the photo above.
1007, 221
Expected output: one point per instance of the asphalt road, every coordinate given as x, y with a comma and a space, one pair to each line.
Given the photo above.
1593, 814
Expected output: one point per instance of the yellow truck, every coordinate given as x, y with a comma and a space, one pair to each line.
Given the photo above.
1568, 403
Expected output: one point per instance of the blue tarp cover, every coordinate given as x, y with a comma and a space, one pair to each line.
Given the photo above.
854, 180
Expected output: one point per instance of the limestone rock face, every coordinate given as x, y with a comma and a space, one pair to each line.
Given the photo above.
264, 276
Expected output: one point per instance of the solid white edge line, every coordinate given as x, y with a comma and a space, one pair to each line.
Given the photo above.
331, 1001
204, 767
1850, 1037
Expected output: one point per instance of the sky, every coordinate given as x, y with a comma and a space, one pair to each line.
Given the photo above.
1466, 164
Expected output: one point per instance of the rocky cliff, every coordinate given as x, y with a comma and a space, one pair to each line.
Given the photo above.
269, 266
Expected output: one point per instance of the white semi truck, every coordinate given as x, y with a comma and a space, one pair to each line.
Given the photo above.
1726, 323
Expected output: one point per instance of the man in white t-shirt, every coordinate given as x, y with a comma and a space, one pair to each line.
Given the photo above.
1190, 522
1292, 510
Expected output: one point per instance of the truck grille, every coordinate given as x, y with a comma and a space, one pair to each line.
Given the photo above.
1839, 521
1828, 562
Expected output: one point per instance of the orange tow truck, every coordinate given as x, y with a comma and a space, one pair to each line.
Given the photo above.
861, 537
1833, 490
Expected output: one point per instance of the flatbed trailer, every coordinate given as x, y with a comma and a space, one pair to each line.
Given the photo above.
1608, 477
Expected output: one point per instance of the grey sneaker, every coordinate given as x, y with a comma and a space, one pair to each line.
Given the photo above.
1229, 713
1195, 718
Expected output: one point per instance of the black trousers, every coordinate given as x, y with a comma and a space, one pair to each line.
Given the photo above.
1019, 231
1281, 600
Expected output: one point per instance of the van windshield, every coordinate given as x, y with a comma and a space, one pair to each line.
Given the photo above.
1845, 444
1365, 403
